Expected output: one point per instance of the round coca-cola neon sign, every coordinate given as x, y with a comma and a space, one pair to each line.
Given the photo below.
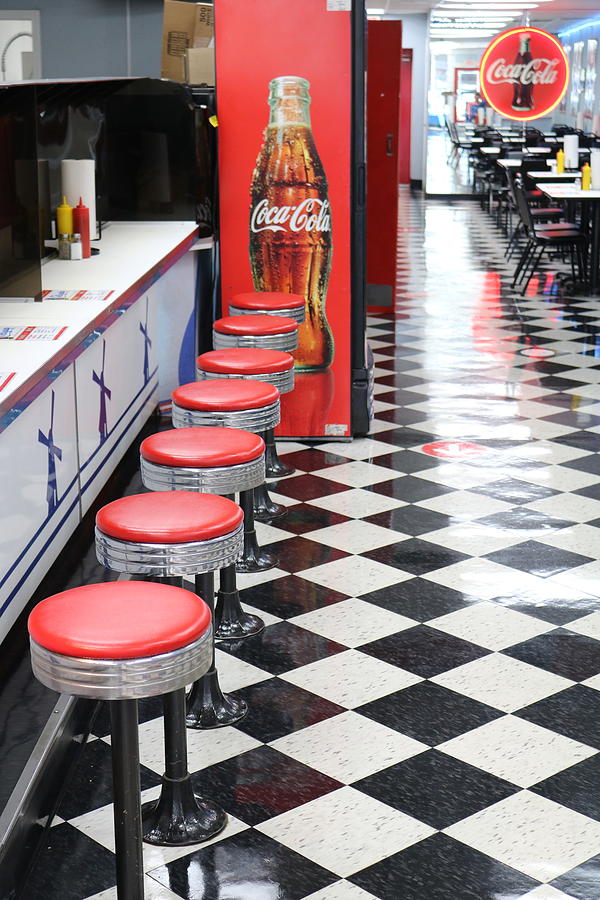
524, 73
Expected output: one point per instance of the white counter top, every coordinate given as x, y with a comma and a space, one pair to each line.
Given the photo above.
130, 253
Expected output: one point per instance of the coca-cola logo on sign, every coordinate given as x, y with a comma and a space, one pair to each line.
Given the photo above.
311, 214
524, 73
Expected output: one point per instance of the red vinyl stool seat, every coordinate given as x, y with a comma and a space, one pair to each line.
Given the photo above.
269, 332
272, 366
268, 303
228, 403
121, 641
208, 448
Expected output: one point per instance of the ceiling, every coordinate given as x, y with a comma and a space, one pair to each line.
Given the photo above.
478, 20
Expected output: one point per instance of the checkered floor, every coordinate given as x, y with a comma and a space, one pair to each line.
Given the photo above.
425, 699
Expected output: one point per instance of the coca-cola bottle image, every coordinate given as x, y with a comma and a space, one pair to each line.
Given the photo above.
522, 93
290, 217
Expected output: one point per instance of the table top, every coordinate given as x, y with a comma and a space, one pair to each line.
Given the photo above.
490, 151
510, 163
563, 191
554, 176
535, 151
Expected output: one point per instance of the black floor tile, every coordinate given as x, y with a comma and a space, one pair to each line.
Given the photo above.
306, 487
589, 464
574, 712
298, 553
410, 489
571, 655
582, 882
582, 440
302, 517
538, 559
70, 866
429, 712
247, 866
418, 599
410, 519
423, 650
282, 647
577, 787
276, 708
407, 437
416, 556
261, 783
290, 596
526, 520
408, 461
440, 868
89, 785
313, 459
559, 608
436, 788
514, 491
401, 415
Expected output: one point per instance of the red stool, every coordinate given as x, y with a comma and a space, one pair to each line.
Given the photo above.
222, 461
119, 642
273, 367
170, 534
268, 303
268, 332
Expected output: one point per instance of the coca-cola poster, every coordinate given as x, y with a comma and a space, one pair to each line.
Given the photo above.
284, 105
524, 73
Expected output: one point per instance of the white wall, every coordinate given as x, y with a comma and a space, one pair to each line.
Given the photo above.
415, 36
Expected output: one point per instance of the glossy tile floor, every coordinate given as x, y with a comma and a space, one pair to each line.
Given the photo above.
425, 699
441, 177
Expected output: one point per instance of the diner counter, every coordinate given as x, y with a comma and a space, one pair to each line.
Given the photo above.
79, 378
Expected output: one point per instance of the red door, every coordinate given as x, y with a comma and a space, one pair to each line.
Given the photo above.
405, 114
383, 105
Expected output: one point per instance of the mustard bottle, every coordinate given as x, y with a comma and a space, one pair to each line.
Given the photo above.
560, 161
586, 177
64, 218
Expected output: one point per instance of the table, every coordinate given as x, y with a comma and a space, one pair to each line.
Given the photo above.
549, 175
510, 163
490, 151
537, 151
562, 191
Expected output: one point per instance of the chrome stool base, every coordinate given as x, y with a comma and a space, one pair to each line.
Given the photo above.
231, 622
265, 509
274, 467
179, 816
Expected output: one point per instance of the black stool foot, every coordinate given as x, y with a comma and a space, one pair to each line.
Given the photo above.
253, 559
274, 467
231, 622
265, 509
180, 817
209, 707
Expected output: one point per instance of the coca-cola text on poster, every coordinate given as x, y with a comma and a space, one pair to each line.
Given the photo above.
524, 73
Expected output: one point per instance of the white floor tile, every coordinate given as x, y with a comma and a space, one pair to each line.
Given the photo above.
574, 507
588, 625
358, 473
342, 890
353, 622
560, 478
491, 625
465, 505
363, 448
205, 748
531, 834
503, 682
355, 575
348, 747
249, 580
517, 751
235, 673
546, 892
351, 678
548, 452
361, 831
474, 538
483, 578
357, 503
584, 539
356, 536
152, 890
268, 534
585, 578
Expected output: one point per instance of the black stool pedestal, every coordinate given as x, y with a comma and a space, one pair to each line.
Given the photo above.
253, 558
179, 816
274, 467
231, 622
207, 705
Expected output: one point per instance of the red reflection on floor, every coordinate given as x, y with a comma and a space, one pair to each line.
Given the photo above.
453, 449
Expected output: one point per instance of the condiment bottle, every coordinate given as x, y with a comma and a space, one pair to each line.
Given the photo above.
76, 247
64, 218
81, 225
560, 161
64, 246
586, 177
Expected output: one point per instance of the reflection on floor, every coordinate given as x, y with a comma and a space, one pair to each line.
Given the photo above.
443, 177
424, 702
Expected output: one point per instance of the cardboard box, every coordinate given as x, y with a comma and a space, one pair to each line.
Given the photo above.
200, 65
185, 26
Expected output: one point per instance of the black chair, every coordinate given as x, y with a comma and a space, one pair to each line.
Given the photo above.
546, 238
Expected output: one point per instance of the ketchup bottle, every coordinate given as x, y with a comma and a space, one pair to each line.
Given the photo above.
81, 225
